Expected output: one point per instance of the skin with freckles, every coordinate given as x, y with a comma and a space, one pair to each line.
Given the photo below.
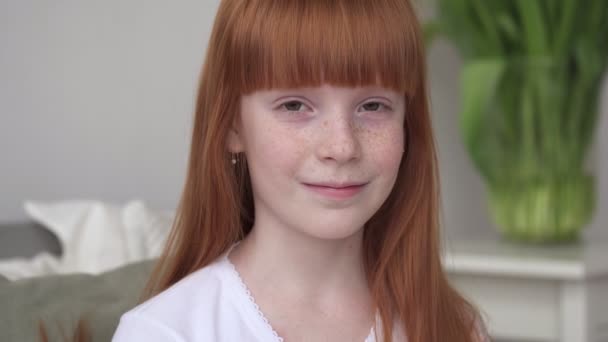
314, 135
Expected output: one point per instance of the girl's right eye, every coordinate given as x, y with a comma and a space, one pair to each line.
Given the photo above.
293, 106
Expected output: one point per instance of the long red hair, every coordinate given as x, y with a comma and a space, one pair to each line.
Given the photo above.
262, 44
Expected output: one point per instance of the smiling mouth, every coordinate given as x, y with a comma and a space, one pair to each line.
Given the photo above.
335, 191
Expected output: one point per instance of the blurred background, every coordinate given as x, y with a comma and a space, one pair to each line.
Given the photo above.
96, 102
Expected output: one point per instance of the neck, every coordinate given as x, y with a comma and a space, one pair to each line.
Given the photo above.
302, 268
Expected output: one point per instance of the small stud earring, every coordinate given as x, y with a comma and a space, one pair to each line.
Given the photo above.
233, 158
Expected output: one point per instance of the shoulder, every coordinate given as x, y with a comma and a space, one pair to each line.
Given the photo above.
200, 287
188, 310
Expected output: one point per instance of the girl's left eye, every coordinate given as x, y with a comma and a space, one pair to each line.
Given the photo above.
374, 106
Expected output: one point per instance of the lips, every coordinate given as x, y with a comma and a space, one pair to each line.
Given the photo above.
335, 190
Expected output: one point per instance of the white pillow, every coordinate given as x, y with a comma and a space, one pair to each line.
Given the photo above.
94, 236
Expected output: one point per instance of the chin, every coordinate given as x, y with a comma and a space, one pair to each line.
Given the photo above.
333, 231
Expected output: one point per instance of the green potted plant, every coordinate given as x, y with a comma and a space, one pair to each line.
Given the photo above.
530, 101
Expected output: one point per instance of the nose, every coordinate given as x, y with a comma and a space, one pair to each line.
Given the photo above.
339, 141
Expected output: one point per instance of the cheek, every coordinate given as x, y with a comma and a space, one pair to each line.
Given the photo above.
277, 150
384, 146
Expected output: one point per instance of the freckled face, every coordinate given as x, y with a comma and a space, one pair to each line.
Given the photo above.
322, 160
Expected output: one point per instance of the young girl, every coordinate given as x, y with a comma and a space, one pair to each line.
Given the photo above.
310, 209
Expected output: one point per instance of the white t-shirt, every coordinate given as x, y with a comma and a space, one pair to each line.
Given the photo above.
211, 304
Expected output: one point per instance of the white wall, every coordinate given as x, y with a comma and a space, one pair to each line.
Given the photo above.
599, 226
96, 100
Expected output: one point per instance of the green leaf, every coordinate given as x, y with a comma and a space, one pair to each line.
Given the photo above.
507, 25
565, 27
533, 24
489, 27
479, 84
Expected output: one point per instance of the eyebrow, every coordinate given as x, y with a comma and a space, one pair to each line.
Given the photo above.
315, 91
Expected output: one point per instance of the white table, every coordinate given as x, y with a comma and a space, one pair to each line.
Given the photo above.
531, 293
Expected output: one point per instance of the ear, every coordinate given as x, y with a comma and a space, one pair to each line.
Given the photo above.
235, 143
